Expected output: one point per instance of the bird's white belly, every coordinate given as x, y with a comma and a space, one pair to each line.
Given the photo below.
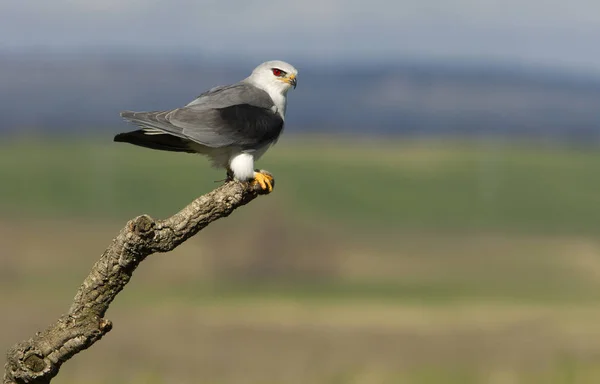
242, 166
241, 162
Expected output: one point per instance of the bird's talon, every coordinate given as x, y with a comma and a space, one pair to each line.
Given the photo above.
265, 181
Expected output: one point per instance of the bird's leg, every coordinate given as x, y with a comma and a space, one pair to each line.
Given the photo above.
229, 174
228, 178
264, 179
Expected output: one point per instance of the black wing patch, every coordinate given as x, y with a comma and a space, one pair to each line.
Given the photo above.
251, 125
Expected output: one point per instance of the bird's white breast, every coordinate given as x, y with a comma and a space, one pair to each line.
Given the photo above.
280, 103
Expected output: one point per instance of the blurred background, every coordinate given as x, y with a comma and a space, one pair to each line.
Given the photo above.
437, 204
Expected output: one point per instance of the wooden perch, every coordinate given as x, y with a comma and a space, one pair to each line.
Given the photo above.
39, 359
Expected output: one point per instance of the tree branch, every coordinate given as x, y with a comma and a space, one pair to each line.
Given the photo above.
39, 359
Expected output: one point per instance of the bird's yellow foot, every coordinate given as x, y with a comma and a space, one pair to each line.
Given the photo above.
264, 179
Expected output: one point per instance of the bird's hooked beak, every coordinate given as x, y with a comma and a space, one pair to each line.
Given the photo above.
292, 80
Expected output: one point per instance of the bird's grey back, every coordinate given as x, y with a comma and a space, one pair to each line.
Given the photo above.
228, 95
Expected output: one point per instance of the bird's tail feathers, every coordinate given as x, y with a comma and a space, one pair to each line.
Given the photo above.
155, 139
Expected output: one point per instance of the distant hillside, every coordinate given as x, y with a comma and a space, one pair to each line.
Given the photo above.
85, 93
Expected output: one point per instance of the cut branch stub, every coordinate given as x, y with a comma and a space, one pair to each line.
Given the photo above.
39, 359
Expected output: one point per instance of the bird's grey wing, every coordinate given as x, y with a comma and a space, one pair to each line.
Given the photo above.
243, 125
239, 115
154, 123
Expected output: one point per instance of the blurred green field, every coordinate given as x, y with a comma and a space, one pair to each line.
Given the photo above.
427, 184
413, 261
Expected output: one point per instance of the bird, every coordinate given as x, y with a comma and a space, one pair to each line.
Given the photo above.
233, 125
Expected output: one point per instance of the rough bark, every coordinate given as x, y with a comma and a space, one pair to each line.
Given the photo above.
39, 359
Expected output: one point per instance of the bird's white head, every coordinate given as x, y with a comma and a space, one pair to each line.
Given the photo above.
274, 77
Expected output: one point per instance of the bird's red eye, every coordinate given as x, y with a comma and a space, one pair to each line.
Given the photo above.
277, 72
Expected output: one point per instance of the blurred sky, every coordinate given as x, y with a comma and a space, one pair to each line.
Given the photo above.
553, 33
